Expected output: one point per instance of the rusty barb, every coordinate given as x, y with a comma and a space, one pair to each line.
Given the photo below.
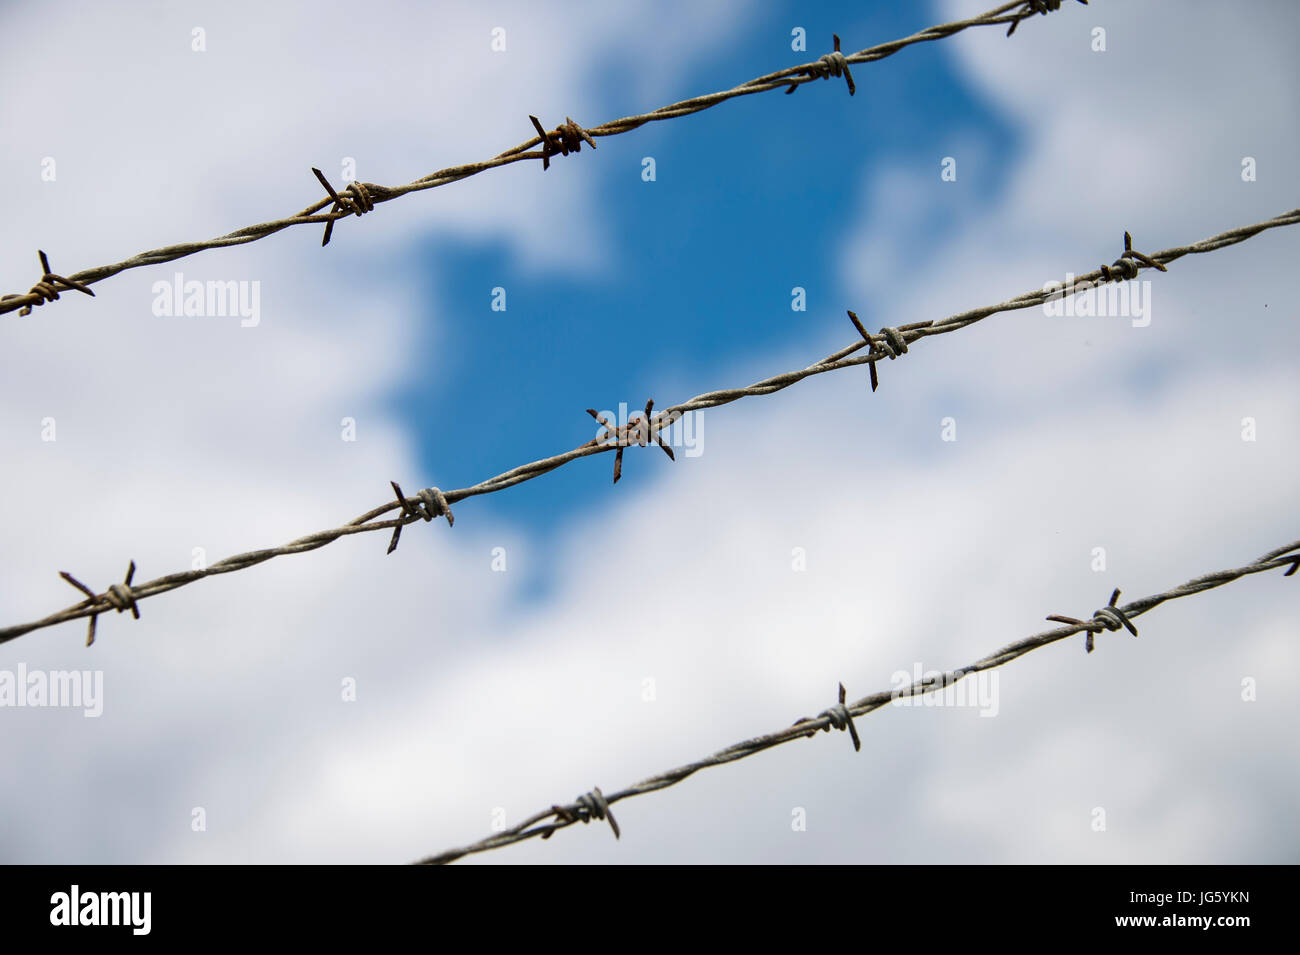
118, 597
1036, 6
47, 289
828, 66
891, 343
1126, 266
566, 138
1110, 617
354, 200
638, 431
426, 505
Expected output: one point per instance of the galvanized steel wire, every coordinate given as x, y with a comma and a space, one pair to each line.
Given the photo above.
429, 503
841, 715
358, 198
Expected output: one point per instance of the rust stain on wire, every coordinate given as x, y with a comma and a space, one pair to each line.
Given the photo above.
567, 138
1126, 266
355, 200
1109, 617
638, 431
46, 290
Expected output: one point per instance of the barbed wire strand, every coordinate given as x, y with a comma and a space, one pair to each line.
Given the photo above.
429, 503
361, 197
841, 716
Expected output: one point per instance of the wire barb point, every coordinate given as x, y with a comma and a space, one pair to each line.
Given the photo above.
875, 380
1035, 6
593, 805
354, 200
427, 504
48, 287
842, 719
639, 430
830, 65
892, 343
1109, 617
119, 597
1126, 266
566, 138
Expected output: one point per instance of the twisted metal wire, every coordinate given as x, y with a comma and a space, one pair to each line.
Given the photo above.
841, 716
890, 343
361, 197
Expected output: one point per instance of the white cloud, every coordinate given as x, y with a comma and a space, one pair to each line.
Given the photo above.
226, 695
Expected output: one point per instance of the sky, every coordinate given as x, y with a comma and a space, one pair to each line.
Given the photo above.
343, 706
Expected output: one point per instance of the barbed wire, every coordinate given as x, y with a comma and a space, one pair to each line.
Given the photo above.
432, 502
595, 805
359, 198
